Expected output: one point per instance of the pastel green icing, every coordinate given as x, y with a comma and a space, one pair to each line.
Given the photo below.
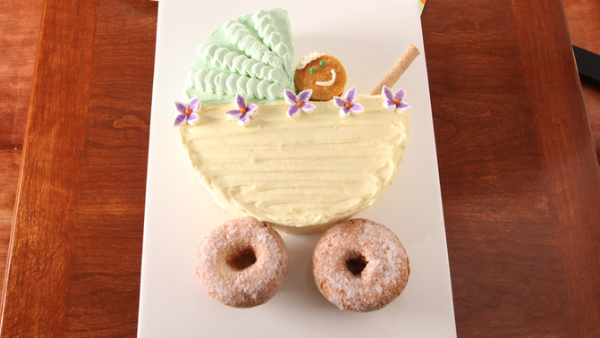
251, 55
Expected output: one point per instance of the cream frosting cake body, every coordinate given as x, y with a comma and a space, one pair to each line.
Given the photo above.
299, 172
300, 175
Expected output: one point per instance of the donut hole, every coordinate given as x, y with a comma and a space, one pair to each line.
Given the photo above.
242, 259
356, 263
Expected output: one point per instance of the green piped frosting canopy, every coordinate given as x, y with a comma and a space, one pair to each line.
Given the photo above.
251, 55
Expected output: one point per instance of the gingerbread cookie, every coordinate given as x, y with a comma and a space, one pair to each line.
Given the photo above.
322, 73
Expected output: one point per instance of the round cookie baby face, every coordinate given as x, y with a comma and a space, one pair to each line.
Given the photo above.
325, 75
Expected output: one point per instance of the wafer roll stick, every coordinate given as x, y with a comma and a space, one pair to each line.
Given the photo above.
397, 69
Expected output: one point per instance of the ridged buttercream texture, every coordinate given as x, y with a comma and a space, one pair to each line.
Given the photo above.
251, 55
298, 173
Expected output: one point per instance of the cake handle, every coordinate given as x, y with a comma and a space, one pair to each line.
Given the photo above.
397, 69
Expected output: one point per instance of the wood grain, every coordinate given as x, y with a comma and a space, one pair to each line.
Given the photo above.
42, 244
10, 162
104, 292
568, 158
520, 184
584, 28
76, 254
19, 32
19, 27
591, 95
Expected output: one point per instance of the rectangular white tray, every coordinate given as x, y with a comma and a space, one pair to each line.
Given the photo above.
368, 37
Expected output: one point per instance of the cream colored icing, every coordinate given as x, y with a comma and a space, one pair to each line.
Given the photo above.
308, 59
302, 174
327, 83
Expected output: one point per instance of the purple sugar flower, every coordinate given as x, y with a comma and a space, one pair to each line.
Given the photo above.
347, 103
394, 102
243, 112
187, 113
298, 103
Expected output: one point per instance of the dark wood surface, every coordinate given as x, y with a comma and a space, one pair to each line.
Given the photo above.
19, 32
584, 26
10, 161
519, 177
76, 248
20, 24
520, 181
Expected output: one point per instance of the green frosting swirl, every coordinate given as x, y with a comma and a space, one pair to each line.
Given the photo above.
251, 55
265, 26
222, 84
240, 64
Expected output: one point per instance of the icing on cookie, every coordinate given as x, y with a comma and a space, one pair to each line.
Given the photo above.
308, 59
327, 83
322, 73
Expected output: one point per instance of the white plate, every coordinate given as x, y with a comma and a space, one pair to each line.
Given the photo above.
368, 36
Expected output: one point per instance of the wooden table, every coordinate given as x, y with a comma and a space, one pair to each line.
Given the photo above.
520, 181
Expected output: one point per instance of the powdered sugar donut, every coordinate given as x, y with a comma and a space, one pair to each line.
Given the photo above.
242, 263
360, 265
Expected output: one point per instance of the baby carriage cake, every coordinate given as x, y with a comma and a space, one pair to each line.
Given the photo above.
267, 143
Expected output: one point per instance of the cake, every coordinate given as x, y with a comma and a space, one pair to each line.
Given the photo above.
301, 174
